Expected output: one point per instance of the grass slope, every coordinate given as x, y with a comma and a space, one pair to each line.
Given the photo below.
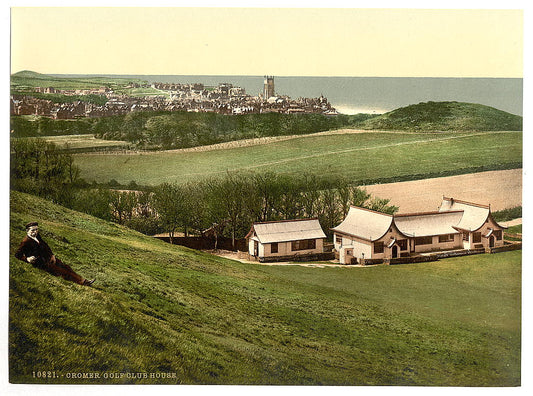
359, 157
446, 116
29, 79
162, 308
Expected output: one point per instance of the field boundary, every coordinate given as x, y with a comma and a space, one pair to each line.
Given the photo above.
436, 256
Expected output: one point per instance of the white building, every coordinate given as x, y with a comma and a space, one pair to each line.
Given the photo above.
283, 240
457, 224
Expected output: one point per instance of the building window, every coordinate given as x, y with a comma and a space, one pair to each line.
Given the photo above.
305, 244
476, 237
402, 243
445, 238
274, 247
498, 235
338, 239
378, 247
427, 240
465, 236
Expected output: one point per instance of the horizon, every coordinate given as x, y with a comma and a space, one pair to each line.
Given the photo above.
53, 74
354, 95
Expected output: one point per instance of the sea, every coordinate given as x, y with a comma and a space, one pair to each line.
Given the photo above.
374, 95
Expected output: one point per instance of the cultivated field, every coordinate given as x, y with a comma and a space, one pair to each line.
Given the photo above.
357, 156
501, 189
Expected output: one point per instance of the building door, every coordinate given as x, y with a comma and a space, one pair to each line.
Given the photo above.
491, 241
256, 249
394, 251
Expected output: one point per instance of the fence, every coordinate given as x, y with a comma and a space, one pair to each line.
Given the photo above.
458, 253
437, 256
505, 248
299, 258
207, 243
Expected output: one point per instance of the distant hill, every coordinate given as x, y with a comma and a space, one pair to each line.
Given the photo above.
30, 74
25, 79
161, 308
445, 116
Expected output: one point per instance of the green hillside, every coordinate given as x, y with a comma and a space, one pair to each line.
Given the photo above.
364, 158
29, 74
159, 308
27, 79
446, 116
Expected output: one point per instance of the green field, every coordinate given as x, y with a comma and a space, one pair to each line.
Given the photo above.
362, 156
157, 307
28, 79
140, 92
83, 142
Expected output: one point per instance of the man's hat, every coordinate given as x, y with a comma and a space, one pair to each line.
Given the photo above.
32, 224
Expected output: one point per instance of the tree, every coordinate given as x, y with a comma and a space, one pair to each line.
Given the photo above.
94, 201
226, 199
122, 205
312, 189
132, 127
169, 205
382, 205
264, 196
40, 168
195, 207
162, 131
329, 215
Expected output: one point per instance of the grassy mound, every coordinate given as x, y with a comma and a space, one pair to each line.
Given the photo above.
446, 116
29, 74
158, 308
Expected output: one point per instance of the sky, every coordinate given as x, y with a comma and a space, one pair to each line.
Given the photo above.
278, 41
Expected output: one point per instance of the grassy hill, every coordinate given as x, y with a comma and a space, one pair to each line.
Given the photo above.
161, 308
24, 80
361, 157
446, 116
29, 74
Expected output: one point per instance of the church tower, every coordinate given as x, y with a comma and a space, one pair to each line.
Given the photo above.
268, 89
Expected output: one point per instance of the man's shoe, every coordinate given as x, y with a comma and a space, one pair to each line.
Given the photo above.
88, 282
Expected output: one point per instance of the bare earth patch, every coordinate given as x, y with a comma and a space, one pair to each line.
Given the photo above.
501, 189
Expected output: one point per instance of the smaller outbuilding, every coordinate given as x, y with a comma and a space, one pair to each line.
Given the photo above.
286, 240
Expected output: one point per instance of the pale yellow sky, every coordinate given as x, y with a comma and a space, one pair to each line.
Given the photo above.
255, 41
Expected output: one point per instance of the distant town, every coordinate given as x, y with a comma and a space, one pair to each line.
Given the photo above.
223, 99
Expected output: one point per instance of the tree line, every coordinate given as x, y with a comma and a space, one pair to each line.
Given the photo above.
178, 129
218, 206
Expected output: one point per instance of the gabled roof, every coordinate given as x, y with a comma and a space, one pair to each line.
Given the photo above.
365, 223
453, 216
428, 223
474, 216
286, 231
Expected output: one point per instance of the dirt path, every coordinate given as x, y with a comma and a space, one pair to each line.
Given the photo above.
511, 223
501, 189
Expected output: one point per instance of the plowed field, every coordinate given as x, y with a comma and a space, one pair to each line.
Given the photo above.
501, 189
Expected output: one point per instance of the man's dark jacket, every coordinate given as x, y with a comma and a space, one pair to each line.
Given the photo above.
42, 252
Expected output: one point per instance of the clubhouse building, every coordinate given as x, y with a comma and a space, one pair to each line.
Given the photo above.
367, 234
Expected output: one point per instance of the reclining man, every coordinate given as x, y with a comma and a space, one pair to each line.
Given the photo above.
35, 251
